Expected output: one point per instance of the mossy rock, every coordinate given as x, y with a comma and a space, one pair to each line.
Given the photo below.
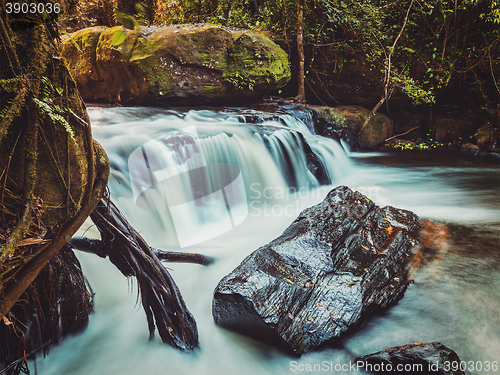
484, 137
173, 65
378, 129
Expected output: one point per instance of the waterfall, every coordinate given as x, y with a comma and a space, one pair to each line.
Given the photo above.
255, 145
195, 171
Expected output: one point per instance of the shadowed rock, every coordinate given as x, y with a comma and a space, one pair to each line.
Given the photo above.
337, 261
419, 358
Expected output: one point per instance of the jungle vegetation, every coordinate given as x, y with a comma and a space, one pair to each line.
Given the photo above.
419, 46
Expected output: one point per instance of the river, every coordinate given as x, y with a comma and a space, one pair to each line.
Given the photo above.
454, 299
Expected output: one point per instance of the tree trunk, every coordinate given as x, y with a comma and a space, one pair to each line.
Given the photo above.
52, 174
301, 95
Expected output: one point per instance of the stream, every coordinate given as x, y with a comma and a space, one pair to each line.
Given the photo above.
272, 166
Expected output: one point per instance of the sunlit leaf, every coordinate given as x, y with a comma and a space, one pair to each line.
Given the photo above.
119, 37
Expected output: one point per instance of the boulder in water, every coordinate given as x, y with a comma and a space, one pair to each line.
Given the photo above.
351, 119
335, 263
174, 65
418, 358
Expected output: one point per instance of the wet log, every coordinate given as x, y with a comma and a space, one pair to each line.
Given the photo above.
338, 261
413, 359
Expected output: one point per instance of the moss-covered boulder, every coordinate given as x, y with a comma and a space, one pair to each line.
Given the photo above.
173, 65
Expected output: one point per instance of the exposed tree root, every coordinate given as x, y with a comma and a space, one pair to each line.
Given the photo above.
57, 303
161, 299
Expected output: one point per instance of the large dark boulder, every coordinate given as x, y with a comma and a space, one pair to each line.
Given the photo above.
335, 263
413, 359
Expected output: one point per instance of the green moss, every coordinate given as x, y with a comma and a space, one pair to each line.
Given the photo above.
332, 116
257, 59
80, 50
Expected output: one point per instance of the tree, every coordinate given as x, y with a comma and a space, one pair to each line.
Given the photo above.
53, 176
301, 96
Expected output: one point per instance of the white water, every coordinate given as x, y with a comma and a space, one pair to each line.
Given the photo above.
454, 301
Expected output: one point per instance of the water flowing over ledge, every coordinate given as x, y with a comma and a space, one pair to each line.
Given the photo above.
459, 192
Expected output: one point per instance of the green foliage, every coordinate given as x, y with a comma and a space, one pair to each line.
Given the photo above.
443, 42
413, 90
241, 81
126, 21
56, 113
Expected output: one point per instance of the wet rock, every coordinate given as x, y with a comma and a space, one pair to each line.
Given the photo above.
377, 130
349, 120
484, 137
174, 65
470, 147
335, 263
419, 358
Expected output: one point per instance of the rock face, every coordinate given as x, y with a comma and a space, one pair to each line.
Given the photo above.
337, 261
174, 65
433, 358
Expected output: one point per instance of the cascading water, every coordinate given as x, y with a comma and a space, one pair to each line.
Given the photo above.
284, 167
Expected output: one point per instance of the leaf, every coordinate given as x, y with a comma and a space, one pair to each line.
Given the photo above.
119, 37
59, 90
126, 21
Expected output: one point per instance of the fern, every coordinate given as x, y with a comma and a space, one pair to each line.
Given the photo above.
55, 113
47, 87
10, 84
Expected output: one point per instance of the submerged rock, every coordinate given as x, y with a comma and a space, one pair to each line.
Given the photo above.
174, 65
419, 358
335, 263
